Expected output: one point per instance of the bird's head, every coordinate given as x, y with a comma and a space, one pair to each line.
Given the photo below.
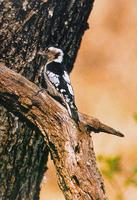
54, 54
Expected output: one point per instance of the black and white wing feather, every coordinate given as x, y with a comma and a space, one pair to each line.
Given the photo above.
61, 81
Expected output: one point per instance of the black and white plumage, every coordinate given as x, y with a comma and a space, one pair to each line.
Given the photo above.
58, 81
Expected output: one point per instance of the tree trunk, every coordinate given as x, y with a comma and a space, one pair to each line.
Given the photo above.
26, 28
29, 27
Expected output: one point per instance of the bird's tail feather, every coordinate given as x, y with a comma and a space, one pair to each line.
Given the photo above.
73, 112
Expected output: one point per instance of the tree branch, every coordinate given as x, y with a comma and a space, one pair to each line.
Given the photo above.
94, 125
71, 149
16, 88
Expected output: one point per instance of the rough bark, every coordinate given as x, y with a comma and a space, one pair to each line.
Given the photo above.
26, 28
72, 151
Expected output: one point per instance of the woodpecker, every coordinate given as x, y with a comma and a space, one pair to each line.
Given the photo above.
58, 82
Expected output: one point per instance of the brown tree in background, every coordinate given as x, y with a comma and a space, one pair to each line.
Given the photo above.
30, 128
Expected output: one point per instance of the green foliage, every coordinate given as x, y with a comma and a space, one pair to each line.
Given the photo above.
110, 165
113, 170
135, 116
132, 178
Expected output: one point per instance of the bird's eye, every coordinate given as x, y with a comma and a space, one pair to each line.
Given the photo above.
57, 54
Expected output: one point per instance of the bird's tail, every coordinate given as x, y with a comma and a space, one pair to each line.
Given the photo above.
73, 111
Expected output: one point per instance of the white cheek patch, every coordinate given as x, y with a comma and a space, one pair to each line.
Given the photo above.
59, 59
70, 89
66, 77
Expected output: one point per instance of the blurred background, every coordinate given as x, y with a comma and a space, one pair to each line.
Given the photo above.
105, 83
